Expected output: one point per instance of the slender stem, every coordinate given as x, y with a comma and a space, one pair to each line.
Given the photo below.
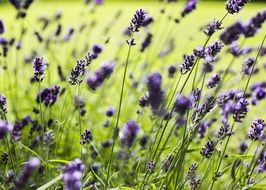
118, 115
253, 67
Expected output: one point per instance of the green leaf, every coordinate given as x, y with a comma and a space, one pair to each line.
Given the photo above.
59, 161
50, 183
193, 149
233, 170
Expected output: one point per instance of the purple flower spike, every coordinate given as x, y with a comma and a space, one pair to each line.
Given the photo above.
72, 174
4, 128
240, 110
137, 21
234, 6
249, 62
232, 33
26, 172
48, 96
189, 61
38, 69
155, 92
182, 104
97, 78
190, 6
256, 130
208, 150
3, 104
2, 28
214, 81
129, 133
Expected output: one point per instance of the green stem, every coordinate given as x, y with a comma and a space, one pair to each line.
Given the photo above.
118, 115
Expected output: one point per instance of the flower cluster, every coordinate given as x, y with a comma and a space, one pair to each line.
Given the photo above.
97, 78
129, 133
48, 96
72, 174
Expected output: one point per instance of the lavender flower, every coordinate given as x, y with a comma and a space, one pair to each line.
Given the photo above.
26, 172
237, 51
4, 129
256, 130
249, 62
234, 6
199, 52
69, 34
243, 147
182, 104
240, 110
212, 27
190, 6
146, 43
262, 162
38, 69
232, 33
86, 137
258, 92
189, 61
203, 126
254, 24
137, 21
96, 49
15, 3
213, 49
5, 158
72, 174
155, 92
208, 150
147, 21
110, 112
214, 80
48, 96
79, 70
2, 28
97, 78
171, 71
26, 3
3, 104
129, 133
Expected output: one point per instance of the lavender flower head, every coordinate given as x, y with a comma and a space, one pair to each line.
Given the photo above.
72, 174
232, 33
190, 6
240, 110
48, 96
2, 28
3, 104
129, 133
97, 78
26, 172
4, 129
256, 130
182, 104
208, 150
155, 92
15, 3
189, 61
79, 70
214, 81
255, 24
234, 6
137, 21
247, 67
213, 49
212, 27
38, 69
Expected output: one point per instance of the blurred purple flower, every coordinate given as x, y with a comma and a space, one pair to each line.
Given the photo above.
72, 174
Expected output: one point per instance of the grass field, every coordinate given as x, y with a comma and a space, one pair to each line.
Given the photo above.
104, 25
